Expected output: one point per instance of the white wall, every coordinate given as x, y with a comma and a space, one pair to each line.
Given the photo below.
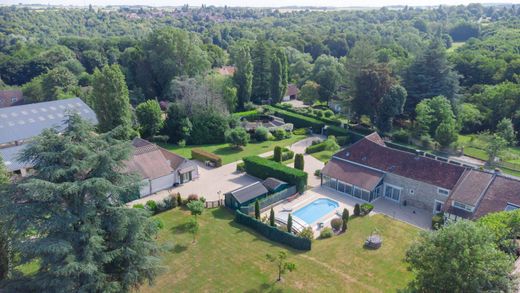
162, 182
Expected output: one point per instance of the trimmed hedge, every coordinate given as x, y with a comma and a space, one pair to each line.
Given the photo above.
263, 168
273, 233
202, 155
323, 119
298, 120
351, 136
245, 113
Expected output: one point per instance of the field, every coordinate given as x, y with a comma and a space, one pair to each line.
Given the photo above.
324, 156
230, 154
227, 257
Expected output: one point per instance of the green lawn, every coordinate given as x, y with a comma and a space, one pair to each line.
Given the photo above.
230, 154
228, 257
454, 46
324, 156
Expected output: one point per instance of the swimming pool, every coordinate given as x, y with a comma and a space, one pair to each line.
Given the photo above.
316, 209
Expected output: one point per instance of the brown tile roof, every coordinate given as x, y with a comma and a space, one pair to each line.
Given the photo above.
374, 137
471, 187
353, 174
369, 153
10, 98
292, 90
272, 183
226, 70
502, 191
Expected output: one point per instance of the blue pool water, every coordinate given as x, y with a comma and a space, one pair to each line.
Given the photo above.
316, 209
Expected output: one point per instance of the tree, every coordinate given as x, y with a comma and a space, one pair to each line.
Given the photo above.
392, 104
431, 114
257, 210
74, 202
309, 92
299, 162
261, 54
277, 154
271, 218
5, 251
327, 72
193, 228
110, 99
237, 137
149, 116
279, 75
430, 75
506, 130
357, 210
281, 263
344, 217
196, 207
495, 147
446, 133
469, 118
243, 76
371, 84
289, 223
461, 257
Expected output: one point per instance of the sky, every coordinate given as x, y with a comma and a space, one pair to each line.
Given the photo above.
258, 3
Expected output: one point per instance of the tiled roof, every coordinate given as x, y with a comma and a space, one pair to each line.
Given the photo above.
272, 183
372, 154
503, 190
353, 174
292, 90
226, 70
249, 192
471, 187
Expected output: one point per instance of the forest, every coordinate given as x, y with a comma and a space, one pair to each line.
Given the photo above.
431, 77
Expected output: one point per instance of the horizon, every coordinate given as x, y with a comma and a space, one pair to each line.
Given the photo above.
264, 4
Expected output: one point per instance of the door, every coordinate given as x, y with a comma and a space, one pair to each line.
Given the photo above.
392, 193
437, 207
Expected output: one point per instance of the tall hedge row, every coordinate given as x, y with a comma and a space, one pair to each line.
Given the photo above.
352, 136
263, 168
202, 155
272, 233
298, 120
323, 119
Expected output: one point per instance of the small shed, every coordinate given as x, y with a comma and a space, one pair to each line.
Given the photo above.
275, 185
245, 195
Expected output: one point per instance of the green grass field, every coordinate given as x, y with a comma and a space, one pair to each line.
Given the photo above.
230, 154
228, 257
324, 156
454, 46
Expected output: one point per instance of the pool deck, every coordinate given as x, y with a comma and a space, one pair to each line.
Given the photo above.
413, 216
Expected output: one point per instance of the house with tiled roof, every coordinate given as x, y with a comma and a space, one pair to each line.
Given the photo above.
159, 168
369, 170
10, 98
291, 93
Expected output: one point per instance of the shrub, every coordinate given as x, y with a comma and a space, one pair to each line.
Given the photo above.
179, 200
193, 197
160, 138
261, 134
356, 210
237, 137
271, 218
299, 162
307, 233
151, 205
138, 206
401, 136
344, 217
329, 144
437, 221
289, 223
182, 143
203, 199
249, 106
287, 154
366, 208
257, 210
301, 131
426, 141
326, 233
328, 113
342, 140
336, 224
263, 168
169, 202
279, 133
158, 223
245, 113
240, 167
202, 155
298, 120
277, 156
317, 173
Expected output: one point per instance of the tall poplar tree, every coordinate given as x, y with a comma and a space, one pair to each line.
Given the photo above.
243, 76
261, 71
110, 99
279, 75
82, 237
5, 255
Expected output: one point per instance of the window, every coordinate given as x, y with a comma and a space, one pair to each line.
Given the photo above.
357, 192
392, 192
348, 189
511, 207
462, 206
443, 191
341, 186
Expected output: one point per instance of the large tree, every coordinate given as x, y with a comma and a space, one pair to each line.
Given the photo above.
110, 99
5, 255
430, 75
261, 54
391, 105
432, 113
328, 73
149, 116
82, 238
462, 257
243, 76
371, 84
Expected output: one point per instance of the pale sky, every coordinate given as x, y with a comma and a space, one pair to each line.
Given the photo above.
257, 3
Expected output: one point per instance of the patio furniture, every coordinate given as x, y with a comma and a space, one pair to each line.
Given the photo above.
286, 209
373, 241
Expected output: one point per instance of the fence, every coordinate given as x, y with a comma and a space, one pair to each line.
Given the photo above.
507, 165
269, 200
214, 203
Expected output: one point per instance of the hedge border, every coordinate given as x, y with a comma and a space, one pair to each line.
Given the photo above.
298, 120
262, 168
202, 155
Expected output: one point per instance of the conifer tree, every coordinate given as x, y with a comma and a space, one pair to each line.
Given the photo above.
299, 162
82, 236
257, 210
271, 218
289, 223
261, 71
243, 76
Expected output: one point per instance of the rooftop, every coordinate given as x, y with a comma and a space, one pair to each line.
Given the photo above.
354, 174
249, 192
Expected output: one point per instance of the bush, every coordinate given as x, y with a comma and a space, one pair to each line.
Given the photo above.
298, 120
179, 200
329, 144
317, 173
193, 197
263, 168
356, 210
344, 217
151, 205
437, 221
241, 167
202, 155
138, 206
426, 141
160, 138
299, 162
366, 208
182, 143
328, 113
245, 113
261, 134
158, 223
169, 202
279, 133
336, 224
287, 154
301, 131
307, 233
326, 233
249, 106
342, 140
277, 154
237, 137
273, 233
401, 136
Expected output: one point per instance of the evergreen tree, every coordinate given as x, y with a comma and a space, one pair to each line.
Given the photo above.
261, 71
257, 210
82, 236
271, 218
243, 76
430, 75
110, 99
277, 154
392, 104
149, 116
357, 211
289, 223
5, 255
344, 217
276, 79
299, 162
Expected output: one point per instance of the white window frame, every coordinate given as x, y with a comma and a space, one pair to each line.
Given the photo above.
435, 205
394, 187
463, 206
441, 190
